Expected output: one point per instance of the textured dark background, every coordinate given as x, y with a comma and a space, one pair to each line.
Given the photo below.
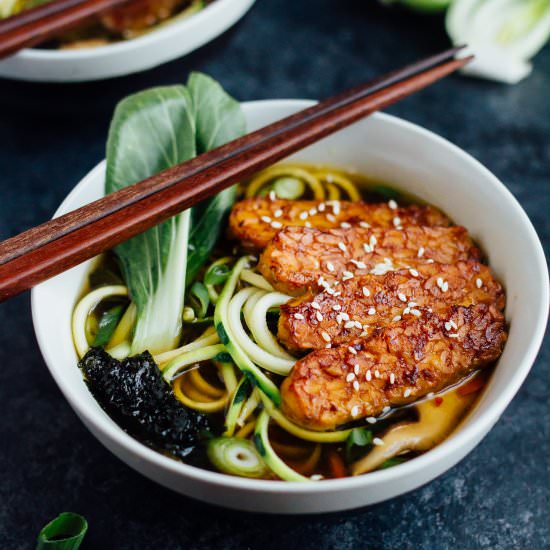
51, 135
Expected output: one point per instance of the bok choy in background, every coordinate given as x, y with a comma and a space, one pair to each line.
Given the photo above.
151, 131
503, 34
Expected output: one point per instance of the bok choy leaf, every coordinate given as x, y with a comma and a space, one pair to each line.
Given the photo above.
151, 131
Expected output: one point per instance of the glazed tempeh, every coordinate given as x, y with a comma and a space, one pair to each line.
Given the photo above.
372, 301
256, 221
299, 258
395, 366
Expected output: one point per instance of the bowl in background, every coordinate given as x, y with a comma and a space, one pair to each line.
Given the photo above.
409, 158
169, 41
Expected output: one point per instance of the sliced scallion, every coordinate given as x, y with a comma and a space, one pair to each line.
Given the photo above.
236, 456
65, 532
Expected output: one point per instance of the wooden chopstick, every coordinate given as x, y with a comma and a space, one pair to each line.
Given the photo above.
49, 249
36, 25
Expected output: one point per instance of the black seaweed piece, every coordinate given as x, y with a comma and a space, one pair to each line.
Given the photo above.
134, 394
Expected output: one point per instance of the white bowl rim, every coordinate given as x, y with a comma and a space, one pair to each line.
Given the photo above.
468, 433
99, 52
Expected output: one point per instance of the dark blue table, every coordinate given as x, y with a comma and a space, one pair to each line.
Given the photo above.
51, 135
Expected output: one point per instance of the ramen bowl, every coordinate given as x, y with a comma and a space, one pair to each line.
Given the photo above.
166, 42
412, 160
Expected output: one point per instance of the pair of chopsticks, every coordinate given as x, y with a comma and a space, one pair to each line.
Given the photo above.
36, 25
55, 246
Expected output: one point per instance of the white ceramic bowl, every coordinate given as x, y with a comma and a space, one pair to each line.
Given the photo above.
129, 56
413, 159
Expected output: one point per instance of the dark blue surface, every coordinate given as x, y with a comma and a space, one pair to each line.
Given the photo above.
51, 135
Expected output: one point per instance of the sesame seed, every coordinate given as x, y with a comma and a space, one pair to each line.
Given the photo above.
397, 221
416, 312
453, 324
336, 208
372, 311
278, 213
355, 385
351, 349
345, 316
366, 291
392, 378
368, 376
347, 275
453, 335
367, 248
430, 261
377, 441
328, 346
345, 225
336, 307
406, 311
276, 225
342, 247
321, 207
402, 297
350, 377
272, 195
445, 286
307, 224
266, 219
364, 333
325, 336
392, 204
377, 373
397, 318
315, 305
386, 409
412, 304
407, 393
303, 215
339, 319
330, 266
313, 211
299, 316
479, 283
421, 252
319, 316
355, 411
356, 370
413, 272
439, 282
358, 324
330, 291
371, 420
373, 241
364, 225
350, 324
321, 281
331, 218
448, 326
359, 265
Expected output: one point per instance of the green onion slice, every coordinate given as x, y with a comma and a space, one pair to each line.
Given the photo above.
236, 456
65, 532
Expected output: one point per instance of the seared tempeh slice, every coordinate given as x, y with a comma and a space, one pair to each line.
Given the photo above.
372, 301
299, 258
395, 366
256, 221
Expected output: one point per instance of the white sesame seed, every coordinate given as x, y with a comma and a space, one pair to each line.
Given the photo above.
331, 218
377, 373
366, 291
351, 349
416, 312
278, 213
315, 305
303, 215
325, 336
276, 225
453, 335
345, 316
371, 420
397, 318
448, 326
402, 297
345, 225
453, 324
359, 265
372, 311
445, 286
356, 385
328, 346
439, 282
407, 393
364, 333
367, 248
313, 211
356, 370
413, 272
364, 225
396, 221
307, 224
330, 291
358, 324
336, 208
342, 247
350, 377
412, 304
406, 311
479, 283
347, 275
339, 319
330, 266
377, 441
373, 241
272, 195
392, 378
355, 411
368, 376
392, 204
266, 219
336, 307
321, 207
430, 261
319, 316
299, 316
350, 324
420, 252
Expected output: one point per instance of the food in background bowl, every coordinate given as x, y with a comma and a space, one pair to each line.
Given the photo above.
298, 363
419, 164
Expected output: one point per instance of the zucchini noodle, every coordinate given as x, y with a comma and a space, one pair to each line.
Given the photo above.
185, 360
207, 338
196, 400
204, 386
255, 279
83, 310
335, 182
124, 328
280, 170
